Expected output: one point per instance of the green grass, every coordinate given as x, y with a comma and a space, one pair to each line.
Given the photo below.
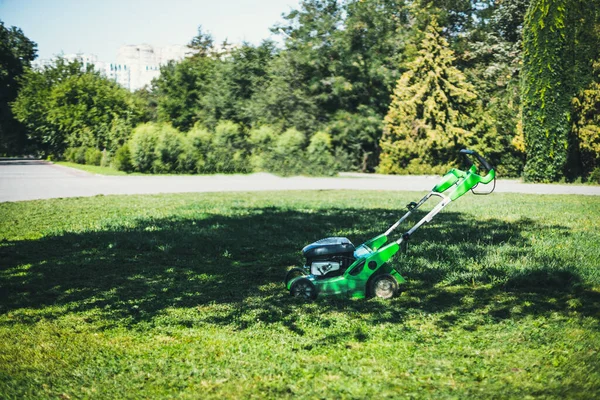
93, 169
181, 296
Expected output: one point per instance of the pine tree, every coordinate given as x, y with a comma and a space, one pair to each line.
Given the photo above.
430, 116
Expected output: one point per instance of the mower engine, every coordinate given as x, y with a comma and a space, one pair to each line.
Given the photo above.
329, 257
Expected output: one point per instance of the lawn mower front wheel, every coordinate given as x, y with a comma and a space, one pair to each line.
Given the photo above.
384, 286
304, 288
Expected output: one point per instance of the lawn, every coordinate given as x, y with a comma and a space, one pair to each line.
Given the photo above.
182, 296
92, 169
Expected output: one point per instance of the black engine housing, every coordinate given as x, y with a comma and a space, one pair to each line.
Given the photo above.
337, 250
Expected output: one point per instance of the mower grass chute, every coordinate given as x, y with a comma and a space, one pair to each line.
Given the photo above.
334, 266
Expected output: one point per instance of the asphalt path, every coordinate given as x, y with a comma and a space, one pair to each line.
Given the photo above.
22, 180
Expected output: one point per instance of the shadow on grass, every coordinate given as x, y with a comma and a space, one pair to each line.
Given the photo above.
128, 275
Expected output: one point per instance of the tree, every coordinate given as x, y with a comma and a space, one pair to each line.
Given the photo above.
32, 107
430, 117
16, 54
179, 90
65, 106
560, 42
235, 80
492, 63
203, 42
340, 62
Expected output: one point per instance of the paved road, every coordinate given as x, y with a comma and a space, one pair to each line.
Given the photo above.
30, 180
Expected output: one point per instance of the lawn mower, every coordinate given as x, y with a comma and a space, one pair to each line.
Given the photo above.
334, 266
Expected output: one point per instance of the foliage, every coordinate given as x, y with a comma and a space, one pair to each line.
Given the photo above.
93, 156
340, 61
320, 156
287, 155
558, 46
175, 295
493, 63
233, 83
357, 135
158, 148
202, 43
16, 54
65, 106
545, 96
142, 146
430, 117
261, 141
169, 147
83, 155
75, 154
335, 71
122, 159
179, 89
228, 150
587, 122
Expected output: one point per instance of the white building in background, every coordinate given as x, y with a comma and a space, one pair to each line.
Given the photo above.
142, 62
135, 66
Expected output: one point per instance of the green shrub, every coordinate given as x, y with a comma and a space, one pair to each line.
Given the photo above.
320, 157
595, 175
120, 131
261, 141
68, 154
356, 134
79, 155
198, 146
228, 152
93, 156
122, 159
75, 154
189, 158
262, 138
169, 146
142, 146
200, 138
287, 155
292, 141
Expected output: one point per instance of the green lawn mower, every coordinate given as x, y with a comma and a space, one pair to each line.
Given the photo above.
334, 266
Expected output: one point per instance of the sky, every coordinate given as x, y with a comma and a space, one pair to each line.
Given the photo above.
100, 27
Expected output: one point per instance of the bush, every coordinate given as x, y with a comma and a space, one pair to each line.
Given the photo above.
595, 175
189, 158
356, 135
320, 158
228, 151
286, 156
120, 131
75, 154
261, 141
291, 141
198, 146
169, 146
142, 146
122, 159
200, 138
93, 156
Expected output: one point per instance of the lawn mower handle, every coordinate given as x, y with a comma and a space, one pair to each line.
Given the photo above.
482, 160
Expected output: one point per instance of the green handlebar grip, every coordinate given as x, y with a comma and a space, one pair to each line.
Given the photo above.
470, 181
